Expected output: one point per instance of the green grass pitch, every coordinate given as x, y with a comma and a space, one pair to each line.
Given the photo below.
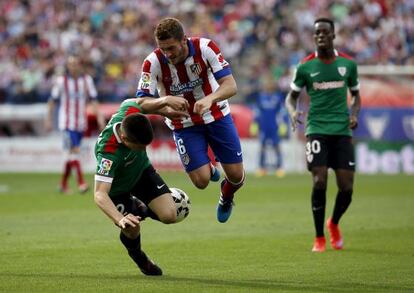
55, 243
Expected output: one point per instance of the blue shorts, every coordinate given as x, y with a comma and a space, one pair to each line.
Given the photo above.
221, 135
72, 139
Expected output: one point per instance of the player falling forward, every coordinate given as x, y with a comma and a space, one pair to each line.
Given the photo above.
195, 69
327, 75
127, 187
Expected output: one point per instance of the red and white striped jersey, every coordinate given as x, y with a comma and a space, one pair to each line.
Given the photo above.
194, 79
73, 94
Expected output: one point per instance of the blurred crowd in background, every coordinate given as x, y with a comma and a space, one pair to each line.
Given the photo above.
258, 37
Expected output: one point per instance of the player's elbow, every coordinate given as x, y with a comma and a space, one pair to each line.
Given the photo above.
233, 89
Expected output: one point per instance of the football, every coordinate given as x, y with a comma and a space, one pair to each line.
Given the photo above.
182, 203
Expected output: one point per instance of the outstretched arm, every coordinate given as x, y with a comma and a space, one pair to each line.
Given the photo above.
355, 107
169, 106
291, 102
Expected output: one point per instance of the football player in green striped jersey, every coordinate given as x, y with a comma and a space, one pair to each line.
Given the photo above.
327, 75
127, 187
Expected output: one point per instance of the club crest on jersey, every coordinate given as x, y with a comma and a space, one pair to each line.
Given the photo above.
104, 167
196, 68
342, 70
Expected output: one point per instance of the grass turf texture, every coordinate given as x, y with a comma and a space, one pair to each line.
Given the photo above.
54, 243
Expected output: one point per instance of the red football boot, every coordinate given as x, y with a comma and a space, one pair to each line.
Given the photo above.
335, 234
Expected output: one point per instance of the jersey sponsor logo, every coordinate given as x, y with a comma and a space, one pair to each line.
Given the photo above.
145, 80
160, 186
239, 154
104, 167
314, 74
180, 88
196, 68
328, 85
342, 70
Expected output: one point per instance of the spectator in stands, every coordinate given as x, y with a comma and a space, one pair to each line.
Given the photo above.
376, 32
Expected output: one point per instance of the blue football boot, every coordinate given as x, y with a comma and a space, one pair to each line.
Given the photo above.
224, 208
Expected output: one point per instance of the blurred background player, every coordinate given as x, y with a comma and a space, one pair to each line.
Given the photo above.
268, 108
73, 90
327, 75
195, 69
125, 176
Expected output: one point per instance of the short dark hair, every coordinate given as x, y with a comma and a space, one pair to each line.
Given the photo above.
325, 19
137, 128
169, 28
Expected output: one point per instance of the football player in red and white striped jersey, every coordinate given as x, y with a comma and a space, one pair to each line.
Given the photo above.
74, 90
195, 69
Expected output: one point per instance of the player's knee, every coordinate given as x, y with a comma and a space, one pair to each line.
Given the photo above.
345, 186
200, 182
131, 232
236, 177
319, 184
169, 216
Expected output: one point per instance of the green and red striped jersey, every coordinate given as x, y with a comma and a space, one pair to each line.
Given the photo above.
117, 164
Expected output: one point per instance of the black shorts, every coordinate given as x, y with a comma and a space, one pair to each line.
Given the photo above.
333, 151
148, 187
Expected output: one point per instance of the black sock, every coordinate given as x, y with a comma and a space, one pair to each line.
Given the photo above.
343, 200
318, 210
132, 245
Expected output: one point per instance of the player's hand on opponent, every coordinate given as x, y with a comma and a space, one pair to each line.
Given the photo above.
178, 103
172, 114
353, 122
202, 106
295, 119
129, 221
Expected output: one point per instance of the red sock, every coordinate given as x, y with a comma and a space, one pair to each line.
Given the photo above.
228, 189
66, 174
76, 164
